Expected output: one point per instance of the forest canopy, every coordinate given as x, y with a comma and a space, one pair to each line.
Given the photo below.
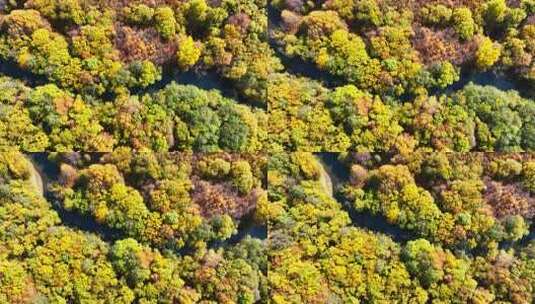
280, 151
422, 228
327, 76
178, 117
383, 76
153, 240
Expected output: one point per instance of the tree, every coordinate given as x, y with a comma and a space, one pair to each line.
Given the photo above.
296, 280
529, 176
400, 200
188, 52
234, 133
242, 176
164, 17
216, 168
16, 285
463, 23
70, 11
345, 55
223, 227
228, 280
487, 53
438, 14
446, 277
322, 23
505, 169
102, 194
324, 256
48, 50
146, 73
18, 130
515, 227
371, 124
498, 125
139, 14
420, 261
25, 216
124, 209
131, 260
495, 11
368, 12
445, 74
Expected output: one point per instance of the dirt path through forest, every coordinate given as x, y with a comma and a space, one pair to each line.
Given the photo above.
325, 180
35, 177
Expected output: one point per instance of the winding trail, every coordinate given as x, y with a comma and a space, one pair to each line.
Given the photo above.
205, 80
333, 175
306, 68
43, 172
11, 69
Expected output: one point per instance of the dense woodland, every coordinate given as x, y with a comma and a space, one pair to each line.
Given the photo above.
95, 47
178, 117
380, 76
476, 118
165, 152
96, 75
168, 223
399, 47
388, 76
465, 214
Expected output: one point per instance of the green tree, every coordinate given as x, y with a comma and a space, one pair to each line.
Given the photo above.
437, 14
463, 23
529, 176
445, 74
139, 14
515, 227
164, 18
242, 176
234, 131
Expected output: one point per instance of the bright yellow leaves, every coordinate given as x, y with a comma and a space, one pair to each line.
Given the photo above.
188, 52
